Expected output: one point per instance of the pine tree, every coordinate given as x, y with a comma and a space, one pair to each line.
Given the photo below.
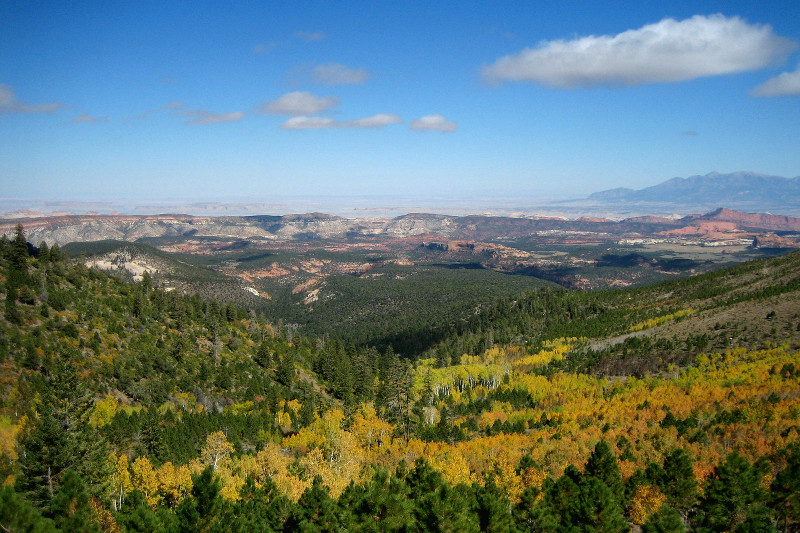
492, 508
16, 514
596, 508
383, 504
61, 438
315, 510
137, 517
19, 251
70, 507
732, 494
665, 520
199, 512
679, 484
785, 490
602, 464
260, 510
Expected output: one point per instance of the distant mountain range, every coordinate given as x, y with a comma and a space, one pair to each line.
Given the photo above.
742, 191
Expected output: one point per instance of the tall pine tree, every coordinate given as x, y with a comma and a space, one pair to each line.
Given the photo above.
61, 439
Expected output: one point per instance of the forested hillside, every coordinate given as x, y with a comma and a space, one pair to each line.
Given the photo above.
125, 407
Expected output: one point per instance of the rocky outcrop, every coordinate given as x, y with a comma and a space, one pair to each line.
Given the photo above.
754, 220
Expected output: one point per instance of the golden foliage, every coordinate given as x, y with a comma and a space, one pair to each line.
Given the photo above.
104, 410
144, 479
646, 501
217, 450
174, 483
653, 322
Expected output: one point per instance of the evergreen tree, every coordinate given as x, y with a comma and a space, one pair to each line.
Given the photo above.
263, 356
70, 507
11, 311
260, 510
534, 513
43, 253
596, 508
55, 254
679, 484
732, 494
315, 510
492, 508
759, 520
198, 512
61, 439
137, 517
16, 514
445, 510
785, 490
665, 520
602, 464
18, 260
382, 505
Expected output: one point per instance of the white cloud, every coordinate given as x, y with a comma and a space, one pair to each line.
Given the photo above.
784, 84
667, 51
337, 74
322, 123
10, 104
308, 123
433, 122
299, 103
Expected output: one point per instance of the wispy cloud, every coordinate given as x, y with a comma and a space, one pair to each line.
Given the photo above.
689, 133
337, 74
263, 48
298, 103
667, 51
784, 84
88, 119
209, 117
309, 36
433, 122
196, 116
375, 121
321, 123
10, 104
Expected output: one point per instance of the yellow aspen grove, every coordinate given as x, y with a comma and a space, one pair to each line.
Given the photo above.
121, 479
454, 468
174, 483
144, 479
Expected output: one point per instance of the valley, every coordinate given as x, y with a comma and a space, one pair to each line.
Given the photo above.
395, 281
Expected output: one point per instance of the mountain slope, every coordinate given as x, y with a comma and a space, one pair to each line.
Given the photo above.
150, 405
636, 331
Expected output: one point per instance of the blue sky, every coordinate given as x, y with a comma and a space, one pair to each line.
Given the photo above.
252, 100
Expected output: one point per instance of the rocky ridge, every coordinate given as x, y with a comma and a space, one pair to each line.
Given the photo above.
318, 226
